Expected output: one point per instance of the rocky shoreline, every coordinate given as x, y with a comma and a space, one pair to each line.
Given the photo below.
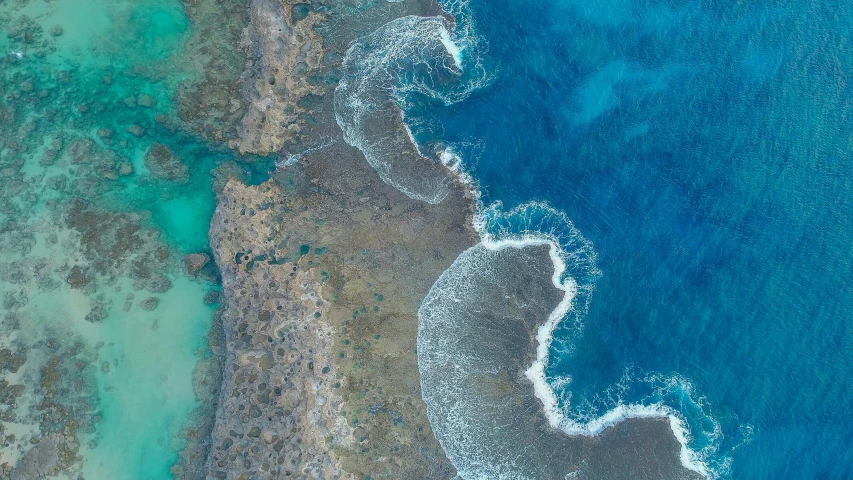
321, 283
324, 267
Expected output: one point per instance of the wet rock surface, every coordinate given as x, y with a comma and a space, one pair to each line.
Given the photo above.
283, 51
195, 262
484, 314
321, 283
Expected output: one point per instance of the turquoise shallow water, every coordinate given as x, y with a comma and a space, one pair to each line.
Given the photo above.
88, 88
704, 150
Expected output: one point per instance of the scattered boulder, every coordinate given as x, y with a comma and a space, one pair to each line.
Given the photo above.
128, 302
146, 101
125, 168
9, 393
108, 172
98, 313
136, 130
158, 283
77, 278
195, 262
11, 361
211, 297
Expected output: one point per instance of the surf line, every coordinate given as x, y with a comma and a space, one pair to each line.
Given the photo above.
357, 98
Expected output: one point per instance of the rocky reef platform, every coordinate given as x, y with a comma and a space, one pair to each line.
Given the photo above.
323, 270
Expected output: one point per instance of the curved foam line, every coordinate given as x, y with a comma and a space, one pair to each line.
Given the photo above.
451, 48
536, 372
407, 55
489, 218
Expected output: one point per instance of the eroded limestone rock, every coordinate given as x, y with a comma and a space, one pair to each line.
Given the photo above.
321, 284
283, 52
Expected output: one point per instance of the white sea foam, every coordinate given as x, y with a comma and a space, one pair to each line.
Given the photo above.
381, 71
407, 55
451, 48
544, 390
574, 274
574, 260
293, 158
424, 55
453, 162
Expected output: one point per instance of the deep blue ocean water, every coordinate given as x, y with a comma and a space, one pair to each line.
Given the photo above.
704, 148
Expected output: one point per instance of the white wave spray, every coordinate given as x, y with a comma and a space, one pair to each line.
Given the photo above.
407, 56
427, 56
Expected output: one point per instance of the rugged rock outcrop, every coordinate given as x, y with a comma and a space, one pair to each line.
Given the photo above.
283, 51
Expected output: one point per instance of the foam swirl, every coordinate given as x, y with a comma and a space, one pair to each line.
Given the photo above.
408, 55
494, 301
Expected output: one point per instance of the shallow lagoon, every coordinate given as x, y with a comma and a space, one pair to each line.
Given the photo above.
86, 93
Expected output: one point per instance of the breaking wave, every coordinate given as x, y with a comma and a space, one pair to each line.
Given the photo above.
575, 273
405, 57
492, 313
471, 336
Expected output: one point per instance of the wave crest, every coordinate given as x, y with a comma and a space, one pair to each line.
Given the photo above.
474, 340
492, 314
407, 56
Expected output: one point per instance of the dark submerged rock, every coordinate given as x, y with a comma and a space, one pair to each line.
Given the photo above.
162, 162
149, 304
